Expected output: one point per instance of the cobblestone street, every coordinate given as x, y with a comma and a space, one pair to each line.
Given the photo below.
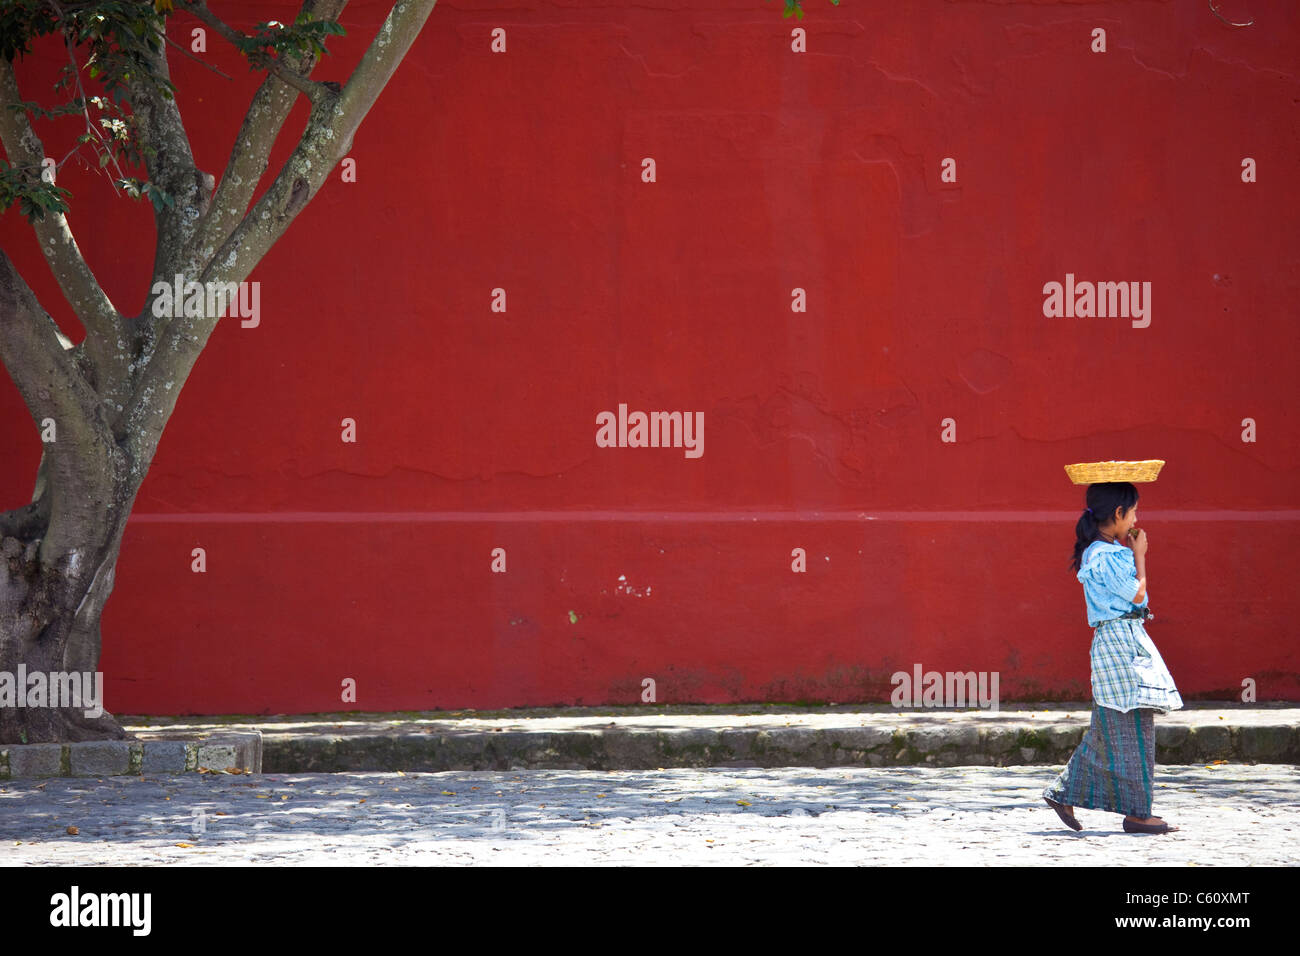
1229, 814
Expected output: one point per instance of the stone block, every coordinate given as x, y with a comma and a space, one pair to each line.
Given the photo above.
163, 756
861, 738
218, 756
1267, 744
36, 760
99, 758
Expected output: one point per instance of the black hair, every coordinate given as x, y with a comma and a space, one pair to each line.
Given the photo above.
1103, 498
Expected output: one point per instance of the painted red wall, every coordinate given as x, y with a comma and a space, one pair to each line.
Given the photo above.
776, 170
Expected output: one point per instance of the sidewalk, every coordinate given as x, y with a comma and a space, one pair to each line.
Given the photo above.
661, 736
1230, 814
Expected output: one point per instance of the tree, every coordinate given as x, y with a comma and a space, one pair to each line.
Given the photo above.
101, 405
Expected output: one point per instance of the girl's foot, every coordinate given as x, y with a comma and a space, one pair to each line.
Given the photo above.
1065, 812
1147, 825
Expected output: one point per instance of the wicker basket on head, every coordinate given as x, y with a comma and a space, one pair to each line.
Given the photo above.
1091, 472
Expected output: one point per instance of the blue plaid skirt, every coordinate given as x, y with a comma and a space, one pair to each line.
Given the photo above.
1113, 766
1127, 669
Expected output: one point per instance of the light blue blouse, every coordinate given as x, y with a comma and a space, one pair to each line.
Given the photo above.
1108, 574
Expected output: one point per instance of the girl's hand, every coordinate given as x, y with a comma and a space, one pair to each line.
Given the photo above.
1137, 540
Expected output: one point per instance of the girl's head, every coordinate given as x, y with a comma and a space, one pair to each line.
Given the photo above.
1111, 505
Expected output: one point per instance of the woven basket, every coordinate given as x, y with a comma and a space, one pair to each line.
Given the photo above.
1091, 472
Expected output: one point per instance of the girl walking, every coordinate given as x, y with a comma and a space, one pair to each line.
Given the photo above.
1112, 767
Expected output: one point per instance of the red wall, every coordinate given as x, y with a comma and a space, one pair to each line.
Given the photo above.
823, 430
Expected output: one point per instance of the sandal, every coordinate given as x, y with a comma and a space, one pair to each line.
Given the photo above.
1132, 826
1066, 818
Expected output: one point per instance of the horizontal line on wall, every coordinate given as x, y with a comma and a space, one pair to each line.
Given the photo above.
433, 517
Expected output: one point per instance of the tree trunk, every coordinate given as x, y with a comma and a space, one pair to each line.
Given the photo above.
49, 625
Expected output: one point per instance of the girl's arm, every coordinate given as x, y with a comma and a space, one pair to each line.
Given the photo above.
1137, 543
1141, 561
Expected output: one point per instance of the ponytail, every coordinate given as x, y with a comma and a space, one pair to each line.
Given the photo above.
1103, 498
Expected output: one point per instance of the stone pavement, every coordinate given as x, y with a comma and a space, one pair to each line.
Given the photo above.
1230, 814
657, 735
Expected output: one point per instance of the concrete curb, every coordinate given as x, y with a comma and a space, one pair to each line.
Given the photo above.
655, 736
636, 749
151, 752
745, 735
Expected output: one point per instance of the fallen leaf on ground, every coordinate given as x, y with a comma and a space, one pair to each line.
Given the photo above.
73, 830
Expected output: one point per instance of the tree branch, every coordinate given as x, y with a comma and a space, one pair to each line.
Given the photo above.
188, 55
91, 128
31, 520
27, 522
324, 142
37, 360
199, 8
328, 134
105, 328
249, 156
82, 458
170, 164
